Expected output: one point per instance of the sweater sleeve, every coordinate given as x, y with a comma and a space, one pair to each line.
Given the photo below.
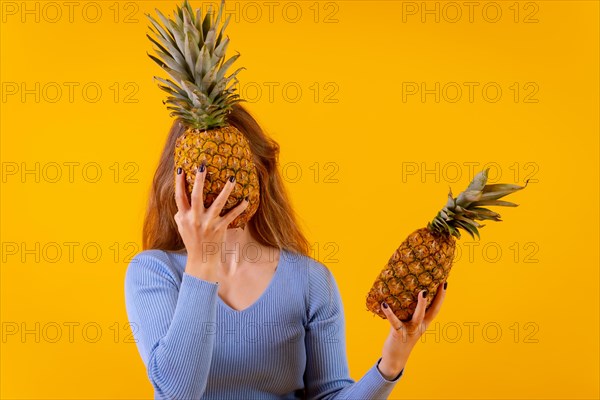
173, 323
327, 375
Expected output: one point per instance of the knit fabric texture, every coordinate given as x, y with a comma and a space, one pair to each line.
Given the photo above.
289, 344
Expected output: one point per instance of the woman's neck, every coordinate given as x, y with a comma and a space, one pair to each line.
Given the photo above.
240, 249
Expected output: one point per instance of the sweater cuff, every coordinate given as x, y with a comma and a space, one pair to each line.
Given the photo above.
198, 282
375, 385
394, 380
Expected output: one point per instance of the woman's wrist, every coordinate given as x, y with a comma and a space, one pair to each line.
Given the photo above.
390, 370
201, 270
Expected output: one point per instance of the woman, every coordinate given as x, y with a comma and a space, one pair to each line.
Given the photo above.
223, 313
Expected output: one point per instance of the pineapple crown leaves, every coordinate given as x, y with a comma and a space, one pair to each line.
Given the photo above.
463, 211
191, 49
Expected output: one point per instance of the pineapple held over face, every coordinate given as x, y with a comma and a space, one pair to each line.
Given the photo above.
191, 49
424, 259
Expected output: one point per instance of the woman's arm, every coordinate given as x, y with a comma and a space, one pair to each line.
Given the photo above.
327, 375
404, 336
174, 327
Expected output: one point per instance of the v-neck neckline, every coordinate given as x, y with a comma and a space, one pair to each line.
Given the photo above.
265, 292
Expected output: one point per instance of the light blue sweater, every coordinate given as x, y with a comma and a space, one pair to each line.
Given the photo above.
289, 344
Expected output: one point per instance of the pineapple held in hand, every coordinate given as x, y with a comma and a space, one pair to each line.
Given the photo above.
191, 49
424, 259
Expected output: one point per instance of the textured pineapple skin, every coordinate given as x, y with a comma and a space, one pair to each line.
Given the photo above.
422, 262
226, 152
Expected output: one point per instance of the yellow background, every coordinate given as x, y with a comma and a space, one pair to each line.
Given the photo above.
370, 135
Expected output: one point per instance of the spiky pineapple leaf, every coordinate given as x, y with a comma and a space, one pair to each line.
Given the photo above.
478, 181
226, 65
206, 23
175, 31
494, 203
172, 49
464, 211
162, 32
191, 48
190, 28
466, 220
161, 48
191, 52
171, 85
198, 24
472, 230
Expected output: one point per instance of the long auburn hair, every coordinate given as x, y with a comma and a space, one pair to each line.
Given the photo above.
274, 224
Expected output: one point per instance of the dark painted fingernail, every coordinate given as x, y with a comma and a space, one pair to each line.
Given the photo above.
231, 179
445, 285
425, 294
385, 305
179, 171
246, 198
202, 166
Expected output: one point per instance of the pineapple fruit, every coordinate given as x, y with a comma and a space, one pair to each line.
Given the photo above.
423, 261
191, 49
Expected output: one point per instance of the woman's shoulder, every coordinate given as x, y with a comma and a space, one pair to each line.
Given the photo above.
153, 264
151, 256
307, 265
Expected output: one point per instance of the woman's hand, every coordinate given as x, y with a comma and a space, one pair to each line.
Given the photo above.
404, 335
203, 229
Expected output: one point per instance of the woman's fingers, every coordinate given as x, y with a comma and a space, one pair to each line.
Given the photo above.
198, 190
233, 213
436, 305
180, 193
419, 313
394, 321
216, 207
